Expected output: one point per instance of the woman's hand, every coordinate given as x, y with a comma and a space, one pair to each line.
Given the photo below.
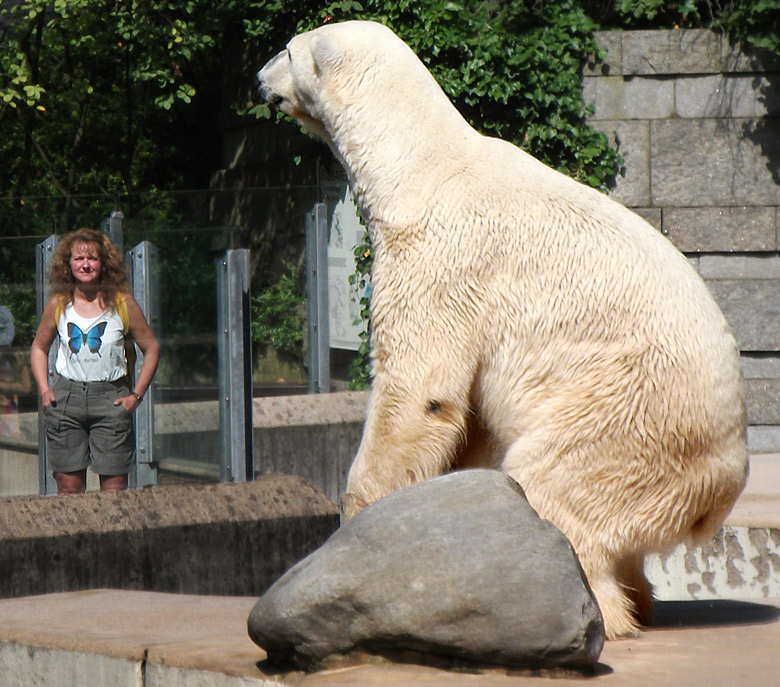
48, 398
130, 402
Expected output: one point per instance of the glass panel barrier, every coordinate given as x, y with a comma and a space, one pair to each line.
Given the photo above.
185, 423
185, 440
18, 392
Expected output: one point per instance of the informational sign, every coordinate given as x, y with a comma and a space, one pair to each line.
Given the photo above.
345, 232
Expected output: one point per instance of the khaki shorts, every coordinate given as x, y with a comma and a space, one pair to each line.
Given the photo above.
85, 429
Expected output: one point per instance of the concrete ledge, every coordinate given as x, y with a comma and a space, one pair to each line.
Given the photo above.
143, 639
743, 559
310, 409
121, 638
314, 436
213, 539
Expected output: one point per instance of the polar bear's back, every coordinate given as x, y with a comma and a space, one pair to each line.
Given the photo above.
583, 256
604, 354
585, 304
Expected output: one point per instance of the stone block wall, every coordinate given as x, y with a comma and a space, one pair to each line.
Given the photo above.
697, 122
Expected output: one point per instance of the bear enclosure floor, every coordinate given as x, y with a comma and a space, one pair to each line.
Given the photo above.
148, 639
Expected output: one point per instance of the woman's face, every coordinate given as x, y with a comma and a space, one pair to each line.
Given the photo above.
85, 263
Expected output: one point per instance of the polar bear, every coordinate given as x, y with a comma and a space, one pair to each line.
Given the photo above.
521, 321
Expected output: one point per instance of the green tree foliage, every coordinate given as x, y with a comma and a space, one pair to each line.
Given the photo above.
512, 68
127, 98
755, 24
111, 98
279, 314
104, 99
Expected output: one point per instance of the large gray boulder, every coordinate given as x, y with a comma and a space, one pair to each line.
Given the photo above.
459, 566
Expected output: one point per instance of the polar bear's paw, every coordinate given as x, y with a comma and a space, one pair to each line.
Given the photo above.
351, 505
616, 609
625, 605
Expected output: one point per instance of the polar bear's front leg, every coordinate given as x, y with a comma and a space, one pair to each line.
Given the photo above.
412, 433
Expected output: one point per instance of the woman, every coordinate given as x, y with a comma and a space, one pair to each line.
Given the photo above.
87, 410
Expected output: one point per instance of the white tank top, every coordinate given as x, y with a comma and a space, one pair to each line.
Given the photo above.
91, 349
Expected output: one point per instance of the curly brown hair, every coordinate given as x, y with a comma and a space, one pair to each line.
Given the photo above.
113, 279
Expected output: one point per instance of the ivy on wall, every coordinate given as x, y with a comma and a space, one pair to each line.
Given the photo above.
755, 24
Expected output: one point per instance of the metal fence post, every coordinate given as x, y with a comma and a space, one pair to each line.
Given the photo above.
317, 298
43, 259
234, 346
112, 226
143, 261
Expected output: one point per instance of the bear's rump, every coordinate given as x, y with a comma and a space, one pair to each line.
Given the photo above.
629, 435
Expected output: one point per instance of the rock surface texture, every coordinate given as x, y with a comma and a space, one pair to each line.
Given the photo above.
459, 566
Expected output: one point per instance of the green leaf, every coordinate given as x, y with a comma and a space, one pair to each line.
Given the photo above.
261, 111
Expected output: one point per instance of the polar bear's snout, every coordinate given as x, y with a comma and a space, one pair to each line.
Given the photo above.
269, 96
270, 75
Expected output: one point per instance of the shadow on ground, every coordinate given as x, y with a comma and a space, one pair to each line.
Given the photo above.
450, 664
668, 615
714, 613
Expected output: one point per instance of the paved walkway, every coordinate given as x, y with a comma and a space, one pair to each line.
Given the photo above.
146, 639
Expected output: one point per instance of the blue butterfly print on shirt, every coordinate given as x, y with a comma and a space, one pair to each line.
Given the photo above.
91, 338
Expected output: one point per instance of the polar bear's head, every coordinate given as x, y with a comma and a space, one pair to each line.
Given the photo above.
349, 77
364, 91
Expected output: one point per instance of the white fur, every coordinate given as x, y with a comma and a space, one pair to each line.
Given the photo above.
522, 321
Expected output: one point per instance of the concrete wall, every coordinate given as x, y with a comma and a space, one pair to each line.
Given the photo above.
226, 539
18, 467
698, 123
313, 436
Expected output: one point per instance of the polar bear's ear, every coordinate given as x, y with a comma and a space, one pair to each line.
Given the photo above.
324, 52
